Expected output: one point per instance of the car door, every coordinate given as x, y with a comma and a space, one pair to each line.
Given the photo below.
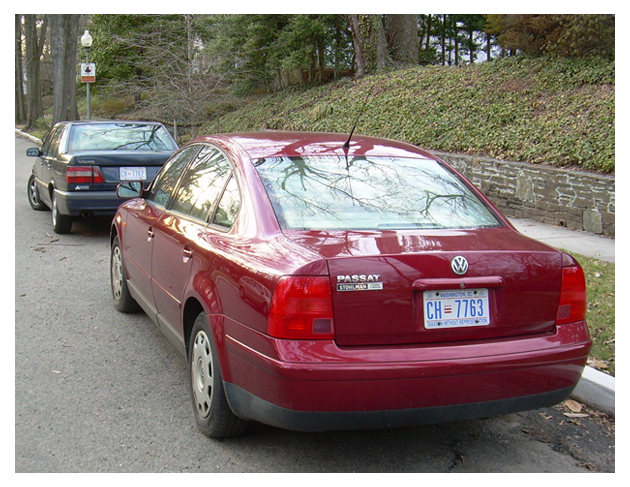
181, 229
44, 167
142, 219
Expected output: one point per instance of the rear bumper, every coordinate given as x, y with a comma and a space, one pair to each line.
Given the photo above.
315, 386
248, 406
77, 203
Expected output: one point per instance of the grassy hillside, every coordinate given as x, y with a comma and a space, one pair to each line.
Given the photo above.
527, 110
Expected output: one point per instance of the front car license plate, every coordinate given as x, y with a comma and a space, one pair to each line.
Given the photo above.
133, 173
456, 308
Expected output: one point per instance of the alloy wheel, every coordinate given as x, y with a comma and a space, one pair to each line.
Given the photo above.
32, 193
55, 211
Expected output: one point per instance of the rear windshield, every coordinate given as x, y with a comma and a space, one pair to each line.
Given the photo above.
120, 136
369, 193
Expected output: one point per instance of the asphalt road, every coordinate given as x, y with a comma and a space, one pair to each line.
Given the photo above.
100, 391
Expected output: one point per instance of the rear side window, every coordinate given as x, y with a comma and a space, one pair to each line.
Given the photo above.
228, 206
202, 184
120, 136
51, 144
166, 180
369, 193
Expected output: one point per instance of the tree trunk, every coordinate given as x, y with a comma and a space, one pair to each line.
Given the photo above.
32, 54
337, 45
488, 46
402, 38
20, 111
64, 34
428, 44
456, 49
443, 39
370, 45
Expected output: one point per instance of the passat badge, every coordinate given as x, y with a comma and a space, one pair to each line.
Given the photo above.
459, 265
359, 282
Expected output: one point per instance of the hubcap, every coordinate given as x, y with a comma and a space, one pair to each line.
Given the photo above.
32, 191
54, 211
201, 373
117, 274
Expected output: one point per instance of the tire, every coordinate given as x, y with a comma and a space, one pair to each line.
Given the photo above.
61, 223
33, 195
123, 301
211, 409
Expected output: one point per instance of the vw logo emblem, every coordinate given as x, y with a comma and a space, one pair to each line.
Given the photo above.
459, 265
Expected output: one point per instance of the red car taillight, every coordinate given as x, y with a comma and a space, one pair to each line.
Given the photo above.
572, 306
84, 174
301, 309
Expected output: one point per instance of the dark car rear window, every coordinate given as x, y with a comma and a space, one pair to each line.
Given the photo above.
120, 136
369, 193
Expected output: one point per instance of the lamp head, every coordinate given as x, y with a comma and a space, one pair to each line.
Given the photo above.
86, 39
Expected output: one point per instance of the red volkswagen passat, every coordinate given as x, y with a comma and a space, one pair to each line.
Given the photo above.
316, 284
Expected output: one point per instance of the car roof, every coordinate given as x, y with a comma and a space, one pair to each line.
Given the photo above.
109, 122
290, 144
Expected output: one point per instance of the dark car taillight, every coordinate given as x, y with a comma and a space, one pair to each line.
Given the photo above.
84, 174
572, 305
301, 309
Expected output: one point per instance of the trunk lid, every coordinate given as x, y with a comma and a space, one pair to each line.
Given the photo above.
389, 288
110, 162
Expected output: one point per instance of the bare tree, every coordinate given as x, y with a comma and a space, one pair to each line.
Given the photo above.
20, 110
402, 37
184, 81
370, 45
34, 39
64, 34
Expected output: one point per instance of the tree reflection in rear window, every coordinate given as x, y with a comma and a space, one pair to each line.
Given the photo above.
120, 136
369, 193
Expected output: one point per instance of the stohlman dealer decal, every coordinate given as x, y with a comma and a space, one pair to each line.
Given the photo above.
359, 282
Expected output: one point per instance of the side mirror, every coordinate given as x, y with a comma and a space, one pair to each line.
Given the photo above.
33, 152
129, 189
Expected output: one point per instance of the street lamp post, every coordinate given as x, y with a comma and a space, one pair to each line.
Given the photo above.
86, 42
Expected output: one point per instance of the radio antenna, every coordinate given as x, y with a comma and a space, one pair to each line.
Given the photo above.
346, 146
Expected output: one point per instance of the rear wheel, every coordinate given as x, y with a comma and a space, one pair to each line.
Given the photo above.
61, 223
33, 195
123, 301
212, 411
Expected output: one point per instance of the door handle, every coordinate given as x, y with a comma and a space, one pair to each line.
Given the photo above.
150, 234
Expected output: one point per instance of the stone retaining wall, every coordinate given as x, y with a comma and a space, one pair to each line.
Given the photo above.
573, 199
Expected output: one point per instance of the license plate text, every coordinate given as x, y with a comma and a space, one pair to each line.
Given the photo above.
133, 173
456, 308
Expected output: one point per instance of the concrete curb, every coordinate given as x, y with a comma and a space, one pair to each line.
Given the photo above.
28, 136
597, 390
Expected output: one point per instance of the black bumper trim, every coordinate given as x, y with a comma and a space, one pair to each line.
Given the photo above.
250, 407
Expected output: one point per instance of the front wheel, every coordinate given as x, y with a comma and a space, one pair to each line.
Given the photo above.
61, 223
212, 411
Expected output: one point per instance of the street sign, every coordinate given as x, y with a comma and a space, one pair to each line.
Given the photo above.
88, 72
